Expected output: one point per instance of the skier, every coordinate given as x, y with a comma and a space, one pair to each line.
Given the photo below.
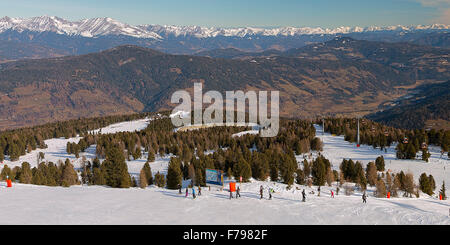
199, 190
238, 194
304, 196
179, 189
318, 190
337, 190
270, 193
187, 192
364, 197
193, 192
261, 192
332, 194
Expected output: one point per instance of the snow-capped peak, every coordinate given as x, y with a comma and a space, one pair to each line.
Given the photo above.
87, 28
96, 27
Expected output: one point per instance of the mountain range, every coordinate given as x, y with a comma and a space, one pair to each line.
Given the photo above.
342, 76
64, 37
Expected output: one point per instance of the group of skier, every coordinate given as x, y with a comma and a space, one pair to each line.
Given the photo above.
193, 191
261, 193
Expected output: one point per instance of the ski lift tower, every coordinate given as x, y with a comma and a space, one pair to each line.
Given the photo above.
357, 135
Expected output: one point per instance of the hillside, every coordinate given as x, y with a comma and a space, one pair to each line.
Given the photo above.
342, 76
422, 109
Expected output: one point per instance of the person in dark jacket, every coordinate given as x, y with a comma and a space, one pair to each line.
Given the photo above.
238, 192
304, 196
364, 197
199, 190
187, 192
261, 192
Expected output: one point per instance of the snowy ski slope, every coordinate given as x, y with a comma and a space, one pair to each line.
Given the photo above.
30, 204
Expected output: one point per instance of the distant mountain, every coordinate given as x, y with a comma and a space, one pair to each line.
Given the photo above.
98, 34
339, 77
106, 26
427, 106
10, 50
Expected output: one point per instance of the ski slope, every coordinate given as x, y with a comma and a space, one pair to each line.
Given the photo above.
57, 147
31, 204
336, 148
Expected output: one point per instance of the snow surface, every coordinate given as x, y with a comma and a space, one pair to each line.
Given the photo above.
30, 204
336, 148
96, 27
57, 148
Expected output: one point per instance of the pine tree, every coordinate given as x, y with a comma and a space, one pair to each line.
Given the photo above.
116, 169
379, 162
133, 182
371, 173
174, 174
442, 191
148, 173
2, 156
318, 171
242, 169
151, 156
98, 177
306, 168
143, 179
160, 180
425, 155
300, 177
381, 188
6, 172
26, 175
330, 176
69, 175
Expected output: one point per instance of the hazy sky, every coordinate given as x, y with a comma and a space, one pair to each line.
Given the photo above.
238, 13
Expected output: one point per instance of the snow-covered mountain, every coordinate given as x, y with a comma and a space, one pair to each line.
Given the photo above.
87, 28
96, 27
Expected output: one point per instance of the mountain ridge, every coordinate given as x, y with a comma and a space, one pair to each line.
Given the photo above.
129, 78
95, 27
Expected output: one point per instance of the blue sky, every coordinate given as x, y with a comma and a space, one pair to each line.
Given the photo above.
238, 13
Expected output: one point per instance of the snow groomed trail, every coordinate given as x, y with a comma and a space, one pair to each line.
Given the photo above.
31, 204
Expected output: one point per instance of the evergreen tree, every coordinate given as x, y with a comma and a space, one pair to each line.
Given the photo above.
300, 177
98, 177
26, 175
242, 169
381, 188
6, 172
371, 173
160, 180
151, 156
379, 162
69, 175
330, 176
143, 179
133, 182
288, 167
116, 169
442, 191
148, 173
174, 175
318, 171
425, 155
